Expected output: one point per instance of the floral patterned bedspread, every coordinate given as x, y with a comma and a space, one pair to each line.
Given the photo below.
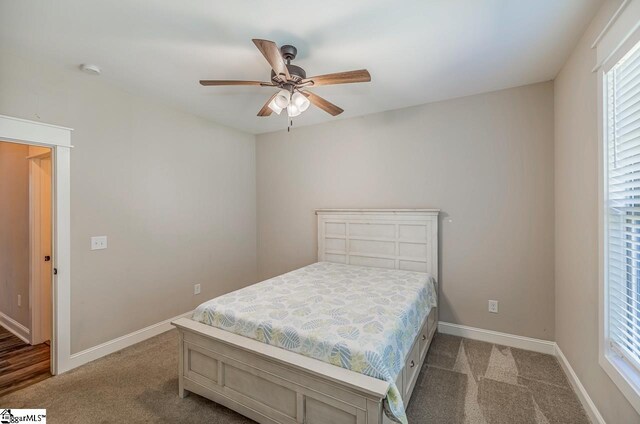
360, 318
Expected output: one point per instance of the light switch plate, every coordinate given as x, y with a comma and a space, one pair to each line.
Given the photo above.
196, 289
98, 242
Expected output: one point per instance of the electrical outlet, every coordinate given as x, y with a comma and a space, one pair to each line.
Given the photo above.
196, 289
98, 242
19, 300
493, 306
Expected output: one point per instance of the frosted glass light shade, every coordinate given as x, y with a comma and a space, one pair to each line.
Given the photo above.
293, 110
274, 107
282, 99
300, 101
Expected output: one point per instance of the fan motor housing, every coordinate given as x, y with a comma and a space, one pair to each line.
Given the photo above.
296, 72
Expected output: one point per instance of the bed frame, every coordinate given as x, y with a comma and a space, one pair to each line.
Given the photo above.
272, 385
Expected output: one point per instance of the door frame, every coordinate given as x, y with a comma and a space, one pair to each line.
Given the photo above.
35, 244
22, 131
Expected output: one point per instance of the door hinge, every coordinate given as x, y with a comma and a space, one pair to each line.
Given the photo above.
55, 271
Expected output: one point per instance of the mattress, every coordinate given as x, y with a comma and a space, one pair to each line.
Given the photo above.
359, 318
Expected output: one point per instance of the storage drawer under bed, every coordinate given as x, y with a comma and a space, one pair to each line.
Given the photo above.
413, 364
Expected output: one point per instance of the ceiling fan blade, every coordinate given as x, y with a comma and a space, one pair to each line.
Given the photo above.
348, 77
271, 52
323, 104
235, 82
266, 110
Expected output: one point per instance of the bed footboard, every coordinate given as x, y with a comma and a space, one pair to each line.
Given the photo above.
271, 385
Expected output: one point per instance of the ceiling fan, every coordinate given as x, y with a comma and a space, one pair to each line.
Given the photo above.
293, 83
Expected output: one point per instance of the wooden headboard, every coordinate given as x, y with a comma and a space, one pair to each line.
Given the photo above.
404, 239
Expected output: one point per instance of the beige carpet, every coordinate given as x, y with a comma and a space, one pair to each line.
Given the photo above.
463, 382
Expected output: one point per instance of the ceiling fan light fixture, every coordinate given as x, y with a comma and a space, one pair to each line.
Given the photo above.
282, 99
300, 101
293, 110
292, 82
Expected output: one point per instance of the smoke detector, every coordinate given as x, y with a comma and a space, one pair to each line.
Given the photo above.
90, 69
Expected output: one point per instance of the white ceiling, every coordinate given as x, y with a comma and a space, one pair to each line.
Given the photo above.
417, 51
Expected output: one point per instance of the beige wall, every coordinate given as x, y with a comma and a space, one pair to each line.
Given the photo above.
485, 160
175, 195
14, 232
576, 233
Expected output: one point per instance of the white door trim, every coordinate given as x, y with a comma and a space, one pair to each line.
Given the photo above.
32, 132
59, 139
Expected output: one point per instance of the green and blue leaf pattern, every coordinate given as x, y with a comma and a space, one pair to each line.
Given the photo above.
373, 327
341, 355
359, 318
264, 332
349, 332
290, 339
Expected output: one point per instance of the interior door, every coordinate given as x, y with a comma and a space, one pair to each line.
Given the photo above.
46, 260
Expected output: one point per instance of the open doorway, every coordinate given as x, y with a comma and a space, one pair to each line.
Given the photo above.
26, 272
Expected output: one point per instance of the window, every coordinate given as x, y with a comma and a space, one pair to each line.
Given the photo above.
617, 54
622, 207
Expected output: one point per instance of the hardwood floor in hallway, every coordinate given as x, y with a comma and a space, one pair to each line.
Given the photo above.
20, 363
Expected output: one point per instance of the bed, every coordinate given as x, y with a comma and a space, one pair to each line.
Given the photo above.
350, 351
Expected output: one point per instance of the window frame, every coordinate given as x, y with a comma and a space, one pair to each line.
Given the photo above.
621, 370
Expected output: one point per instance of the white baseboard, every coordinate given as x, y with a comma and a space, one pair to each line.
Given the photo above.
16, 328
93, 353
536, 345
504, 339
585, 399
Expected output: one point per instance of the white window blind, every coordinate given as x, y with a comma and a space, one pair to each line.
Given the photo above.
622, 85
